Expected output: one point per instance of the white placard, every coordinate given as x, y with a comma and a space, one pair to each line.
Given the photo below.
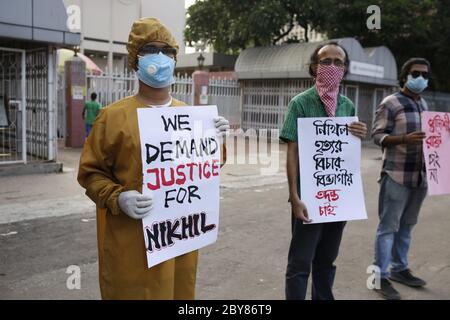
78, 92
436, 151
181, 166
330, 174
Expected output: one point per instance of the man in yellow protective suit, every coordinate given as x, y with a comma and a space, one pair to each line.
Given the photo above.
111, 172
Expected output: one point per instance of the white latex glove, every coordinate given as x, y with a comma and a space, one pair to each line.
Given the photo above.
135, 204
222, 126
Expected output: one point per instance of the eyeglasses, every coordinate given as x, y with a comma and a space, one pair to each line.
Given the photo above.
151, 49
424, 74
329, 62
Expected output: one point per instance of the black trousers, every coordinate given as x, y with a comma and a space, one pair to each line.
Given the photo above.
316, 247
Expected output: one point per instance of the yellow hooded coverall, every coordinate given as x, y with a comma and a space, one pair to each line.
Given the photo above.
111, 163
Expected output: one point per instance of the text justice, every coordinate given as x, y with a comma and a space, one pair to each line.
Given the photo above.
191, 172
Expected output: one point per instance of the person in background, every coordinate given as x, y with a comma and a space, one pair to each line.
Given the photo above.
403, 184
90, 112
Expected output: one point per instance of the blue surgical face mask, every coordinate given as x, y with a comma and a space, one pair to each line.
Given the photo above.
416, 85
156, 70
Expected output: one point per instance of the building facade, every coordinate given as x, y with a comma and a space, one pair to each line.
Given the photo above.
271, 76
30, 33
104, 26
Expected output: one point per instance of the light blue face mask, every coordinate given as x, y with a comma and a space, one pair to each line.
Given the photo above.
416, 85
156, 70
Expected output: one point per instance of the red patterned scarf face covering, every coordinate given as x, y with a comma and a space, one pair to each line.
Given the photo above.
328, 79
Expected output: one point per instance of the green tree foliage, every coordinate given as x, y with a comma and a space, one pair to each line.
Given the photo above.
409, 28
233, 25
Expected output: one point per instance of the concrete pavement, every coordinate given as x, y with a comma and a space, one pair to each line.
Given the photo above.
47, 224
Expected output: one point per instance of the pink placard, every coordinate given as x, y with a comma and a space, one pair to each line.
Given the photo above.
436, 149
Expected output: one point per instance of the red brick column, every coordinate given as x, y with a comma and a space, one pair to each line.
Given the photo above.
75, 73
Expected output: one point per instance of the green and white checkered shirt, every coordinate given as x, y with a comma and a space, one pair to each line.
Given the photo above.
308, 105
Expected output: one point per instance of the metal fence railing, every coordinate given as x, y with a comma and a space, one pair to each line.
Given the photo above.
183, 90
111, 87
249, 104
37, 104
226, 94
265, 102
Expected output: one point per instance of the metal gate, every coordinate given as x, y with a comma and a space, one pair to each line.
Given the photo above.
265, 101
13, 148
27, 108
40, 105
111, 87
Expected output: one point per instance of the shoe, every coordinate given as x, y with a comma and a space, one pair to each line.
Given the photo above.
387, 291
407, 278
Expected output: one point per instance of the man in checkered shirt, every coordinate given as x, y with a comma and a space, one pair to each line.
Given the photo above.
403, 185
